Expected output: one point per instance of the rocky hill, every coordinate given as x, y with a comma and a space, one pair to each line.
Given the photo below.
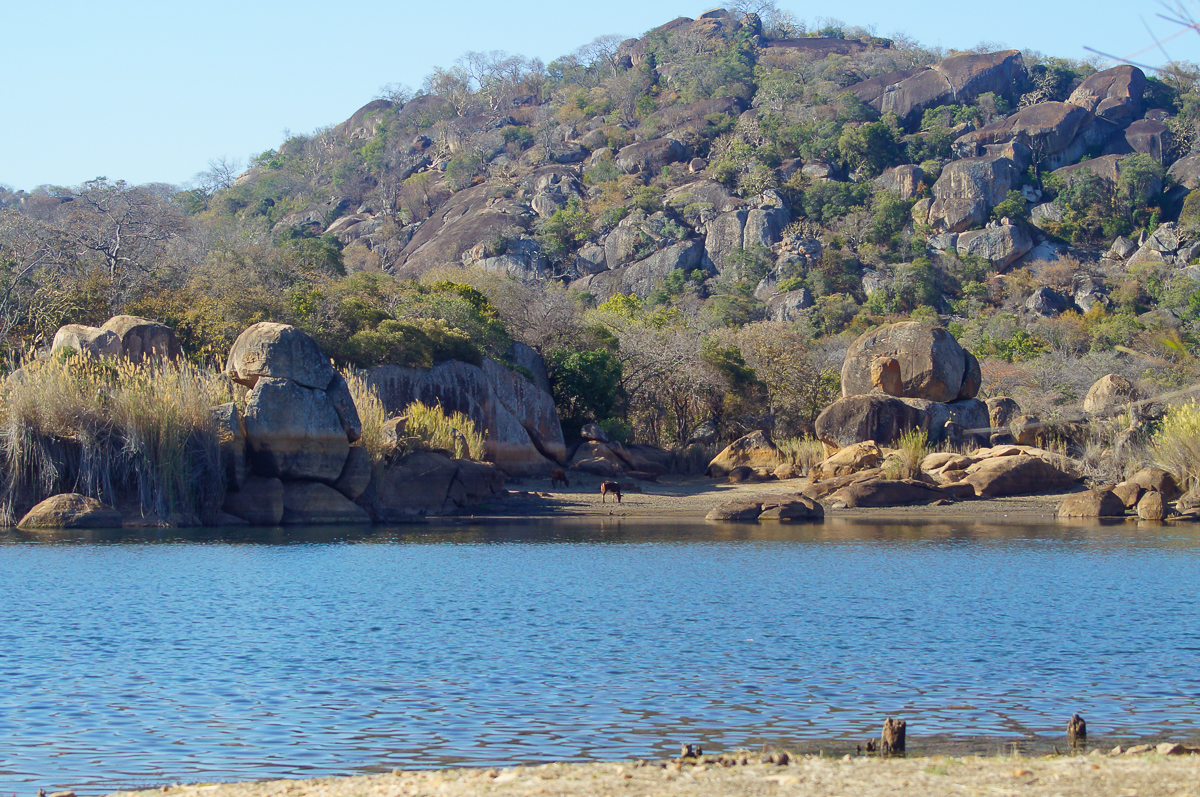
641, 212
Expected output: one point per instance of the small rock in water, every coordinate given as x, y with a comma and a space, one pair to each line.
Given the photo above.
870, 745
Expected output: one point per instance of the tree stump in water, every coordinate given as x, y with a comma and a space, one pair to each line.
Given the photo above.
1076, 729
892, 740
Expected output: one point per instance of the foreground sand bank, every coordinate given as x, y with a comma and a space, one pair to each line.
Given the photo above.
1095, 774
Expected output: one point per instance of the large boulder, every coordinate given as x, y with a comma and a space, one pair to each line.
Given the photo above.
906, 180
968, 189
1092, 503
854, 419
886, 492
1109, 393
932, 363
1145, 136
766, 507
1186, 172
742, 229
1114, 94
428, 483
1019, 474
143, 339
279, 351
851, 459
1000, 245
92, 341
294, 432
523, 434
649, 156
315, 504
755, 450
958, 79
1157, 480
1002, 410
259, 502
645, 276
71, 511
356, 474
1046, 128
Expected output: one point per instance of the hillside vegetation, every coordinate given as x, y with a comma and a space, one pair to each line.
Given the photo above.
689, 226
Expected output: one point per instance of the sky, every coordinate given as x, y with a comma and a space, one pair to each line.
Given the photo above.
153, 91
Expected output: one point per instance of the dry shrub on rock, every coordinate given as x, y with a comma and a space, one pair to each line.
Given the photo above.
435, 429
1176, 445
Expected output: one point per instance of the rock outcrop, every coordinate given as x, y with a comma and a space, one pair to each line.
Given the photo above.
71, 511
524, 436
932, 364
756, 450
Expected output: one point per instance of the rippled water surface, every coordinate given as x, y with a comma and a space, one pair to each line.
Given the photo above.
138, 659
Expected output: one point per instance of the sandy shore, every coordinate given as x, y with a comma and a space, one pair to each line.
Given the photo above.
683, 497
1095, 774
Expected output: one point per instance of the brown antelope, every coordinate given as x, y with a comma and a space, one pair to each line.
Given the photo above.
610, 487
557, 475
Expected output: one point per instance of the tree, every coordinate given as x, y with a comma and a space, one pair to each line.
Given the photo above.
798, 385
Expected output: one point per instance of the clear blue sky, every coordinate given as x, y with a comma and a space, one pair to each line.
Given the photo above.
151, 91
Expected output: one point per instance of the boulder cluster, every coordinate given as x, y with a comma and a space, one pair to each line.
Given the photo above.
901, 377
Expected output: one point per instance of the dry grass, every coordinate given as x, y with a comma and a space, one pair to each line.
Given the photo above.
1176, 445
803, 452
115, 431
371, 414
435, 429
911, 450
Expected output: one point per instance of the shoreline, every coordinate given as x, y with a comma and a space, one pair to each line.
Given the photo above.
749, 773
690, 498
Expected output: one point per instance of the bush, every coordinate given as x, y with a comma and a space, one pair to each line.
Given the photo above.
911, 450
435, 430
371, 414
415, 344
1176, 444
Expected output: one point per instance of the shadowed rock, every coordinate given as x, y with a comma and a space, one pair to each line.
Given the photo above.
1093, 503
71, 511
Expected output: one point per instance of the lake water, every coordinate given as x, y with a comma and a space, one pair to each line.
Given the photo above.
135, 659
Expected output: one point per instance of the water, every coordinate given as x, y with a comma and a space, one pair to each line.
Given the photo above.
132, 659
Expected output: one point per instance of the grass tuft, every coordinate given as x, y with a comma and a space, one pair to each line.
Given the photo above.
1176, 444
435, 429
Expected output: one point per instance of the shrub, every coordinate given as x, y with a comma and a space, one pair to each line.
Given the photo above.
435, 430
116, 431
803, 452
416, 344
1176, 444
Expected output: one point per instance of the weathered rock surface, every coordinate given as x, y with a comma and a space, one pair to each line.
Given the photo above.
906, 180
259, 502
1016, 475
767, 507
71, 511
1001, 411
851, 459
313, 503
1157, 480
755, 450
231, 436
1114, 94
143, 340
1093, 503
883, 419
1001, 245
92, 341
1110, 393
1107, 168
932, 363
356, 473
280, 351
1153, 506
886, 492
524, 436
968, 189
294, 432
649, 156
1046, 128
427, 483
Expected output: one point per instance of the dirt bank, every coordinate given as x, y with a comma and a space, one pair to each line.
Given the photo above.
682, 497
1095, 774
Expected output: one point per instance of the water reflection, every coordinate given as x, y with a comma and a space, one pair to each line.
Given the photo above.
138, 657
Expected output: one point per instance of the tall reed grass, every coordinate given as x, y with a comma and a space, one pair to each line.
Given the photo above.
371, 414
435, 429
113, 430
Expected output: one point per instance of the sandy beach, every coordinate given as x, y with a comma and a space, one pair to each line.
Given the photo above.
678, 497
1145, 775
